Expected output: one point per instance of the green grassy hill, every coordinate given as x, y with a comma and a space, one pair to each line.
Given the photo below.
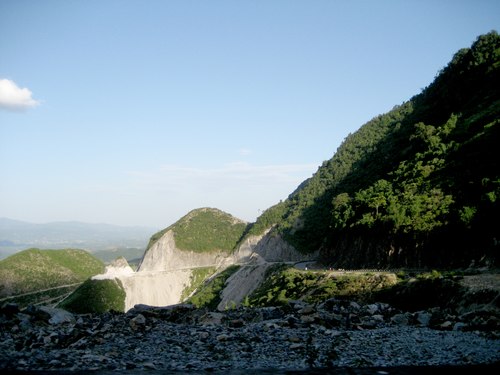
205, 230
34, 270
96, 296
418, 186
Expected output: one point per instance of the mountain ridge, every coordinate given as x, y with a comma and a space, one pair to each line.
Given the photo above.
412, 182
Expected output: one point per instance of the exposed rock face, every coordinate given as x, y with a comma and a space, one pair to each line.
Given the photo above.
270, 247
165, 256
242, 283
244, 252
258, 252
118, 268
273, 248
155, 288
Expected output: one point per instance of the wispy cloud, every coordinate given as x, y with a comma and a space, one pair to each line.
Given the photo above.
238, 175
167, 192
14, 98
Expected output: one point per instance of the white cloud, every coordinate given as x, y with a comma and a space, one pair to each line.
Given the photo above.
13, 97
232, 175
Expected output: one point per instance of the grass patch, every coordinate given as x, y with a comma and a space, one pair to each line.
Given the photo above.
209, 294
198, 276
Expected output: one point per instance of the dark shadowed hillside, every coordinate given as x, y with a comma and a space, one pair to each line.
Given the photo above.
418, 186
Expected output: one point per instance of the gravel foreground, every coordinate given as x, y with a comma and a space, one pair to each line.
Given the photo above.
336, 337
409, 370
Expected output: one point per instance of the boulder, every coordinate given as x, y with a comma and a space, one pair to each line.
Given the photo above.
58, 316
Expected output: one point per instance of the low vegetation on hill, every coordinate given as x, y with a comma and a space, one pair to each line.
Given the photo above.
96, 296
198, 277
208, 295
284, 283
34, 270
205, 230
405, 290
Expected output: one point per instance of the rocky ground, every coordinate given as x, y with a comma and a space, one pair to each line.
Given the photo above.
297, 337
334, 334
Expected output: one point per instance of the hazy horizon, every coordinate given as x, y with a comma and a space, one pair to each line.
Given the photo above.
134, 113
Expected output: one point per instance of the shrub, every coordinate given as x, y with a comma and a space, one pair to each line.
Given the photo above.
96, 296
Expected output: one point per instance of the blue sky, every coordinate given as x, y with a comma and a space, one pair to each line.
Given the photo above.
135, 112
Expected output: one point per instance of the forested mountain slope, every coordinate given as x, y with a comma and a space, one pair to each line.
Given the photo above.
418, 186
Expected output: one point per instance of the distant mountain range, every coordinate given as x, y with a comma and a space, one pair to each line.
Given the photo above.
17, 235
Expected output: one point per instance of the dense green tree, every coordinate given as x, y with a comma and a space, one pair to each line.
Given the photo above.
422, 175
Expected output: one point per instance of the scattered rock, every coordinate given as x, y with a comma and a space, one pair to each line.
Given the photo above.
9, 309
58, 316
149, 365
306, 310
424, 318
222, 337
335, 333
400, 319
138, 322
212, 318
